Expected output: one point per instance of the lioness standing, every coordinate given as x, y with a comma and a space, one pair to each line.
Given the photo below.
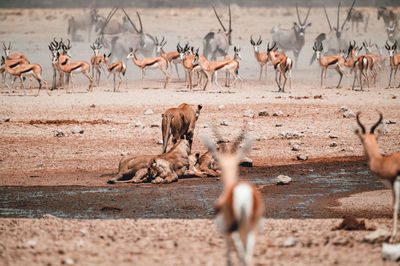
180, 122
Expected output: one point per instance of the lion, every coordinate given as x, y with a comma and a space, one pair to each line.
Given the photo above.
207, 164
167, 167
180, 123
132, 169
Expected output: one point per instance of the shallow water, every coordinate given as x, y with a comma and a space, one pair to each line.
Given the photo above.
314, 188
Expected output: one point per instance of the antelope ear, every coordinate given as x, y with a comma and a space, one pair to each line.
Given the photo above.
104, 55
197, 155
153, 163
109, 54
199, 107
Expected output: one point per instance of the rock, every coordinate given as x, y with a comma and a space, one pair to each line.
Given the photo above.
391, 252
160, 142
302, 157
290, 242
249, 113
225, 123
69, 261
378, 236
221, 107
58, 133
48, 217
107, 120
350, 223
5, 119
327, 131
264, 138
223, 139
138, 124
333, 144
112, 129
278, 113
296, 147
148, 112
31, 243
283, 180
340, 241
331, 136
389, 122
206, 125
77, 130
124, 153
263, 113
83, 231
343, 109
349, 114
155, 124
246, 162
278, 125
92, 105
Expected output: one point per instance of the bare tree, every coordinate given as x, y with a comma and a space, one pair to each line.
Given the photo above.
120, 43
293, 39
216, 43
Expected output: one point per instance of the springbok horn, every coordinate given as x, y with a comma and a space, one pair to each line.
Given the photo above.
359, 123
376, 124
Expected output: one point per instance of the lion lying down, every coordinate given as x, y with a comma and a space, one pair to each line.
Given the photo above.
165, 168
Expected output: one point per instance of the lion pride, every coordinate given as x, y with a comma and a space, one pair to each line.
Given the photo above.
180, 123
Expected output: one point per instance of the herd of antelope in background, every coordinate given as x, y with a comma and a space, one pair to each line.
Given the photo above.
333, 50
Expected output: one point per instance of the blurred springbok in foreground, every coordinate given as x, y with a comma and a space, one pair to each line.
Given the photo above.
385, 168
292, 40
216, 43
239, 208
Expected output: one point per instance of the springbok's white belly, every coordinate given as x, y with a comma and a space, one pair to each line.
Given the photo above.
79, 69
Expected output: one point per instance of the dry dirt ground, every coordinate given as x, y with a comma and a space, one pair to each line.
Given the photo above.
29, 149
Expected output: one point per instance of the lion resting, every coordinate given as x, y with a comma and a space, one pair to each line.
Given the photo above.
207, 164
167, 167
133, 167
179, 122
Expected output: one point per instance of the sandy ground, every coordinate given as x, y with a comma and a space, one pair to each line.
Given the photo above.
29, 149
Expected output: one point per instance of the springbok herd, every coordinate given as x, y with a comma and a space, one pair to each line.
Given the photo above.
333, 50
239, 208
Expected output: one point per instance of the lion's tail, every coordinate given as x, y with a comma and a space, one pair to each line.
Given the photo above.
166, 132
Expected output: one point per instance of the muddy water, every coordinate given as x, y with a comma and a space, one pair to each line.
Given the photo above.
314, 188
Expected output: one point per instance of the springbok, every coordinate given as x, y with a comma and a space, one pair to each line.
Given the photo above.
394, 62
55, 48
233, 68
97, 61
187, 58
172, 57
262, 58
68, 67
335, 62
211, 68
385, 168
239, 208
216, 43
7, 55
115, 68
282, 65
16, 68
379, 60
150, 63
292, 40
